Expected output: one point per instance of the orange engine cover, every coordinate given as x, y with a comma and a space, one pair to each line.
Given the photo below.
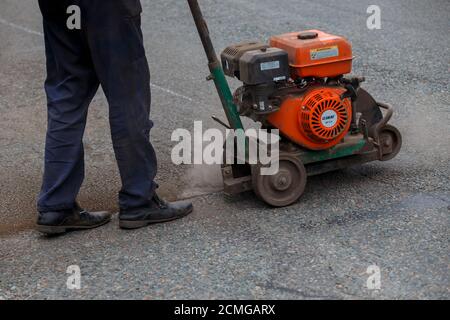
316, 120
314, 53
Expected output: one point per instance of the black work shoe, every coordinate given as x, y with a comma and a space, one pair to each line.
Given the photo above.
58, 222
160, 211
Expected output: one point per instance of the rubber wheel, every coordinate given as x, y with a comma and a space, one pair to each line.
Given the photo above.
284, 188
391, 139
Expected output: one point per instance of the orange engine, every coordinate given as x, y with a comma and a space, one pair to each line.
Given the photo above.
297, 85
319, 119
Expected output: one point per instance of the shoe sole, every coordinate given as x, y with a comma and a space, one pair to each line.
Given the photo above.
56, 230
129, 225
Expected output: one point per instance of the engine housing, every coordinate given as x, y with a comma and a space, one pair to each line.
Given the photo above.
296, 85
317, 119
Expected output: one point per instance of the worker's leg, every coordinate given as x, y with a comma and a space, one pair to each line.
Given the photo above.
116, 44
70, 86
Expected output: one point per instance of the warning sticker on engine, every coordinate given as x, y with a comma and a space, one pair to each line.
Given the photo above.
323, 53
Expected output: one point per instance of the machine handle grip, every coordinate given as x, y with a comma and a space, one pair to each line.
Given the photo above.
203, 31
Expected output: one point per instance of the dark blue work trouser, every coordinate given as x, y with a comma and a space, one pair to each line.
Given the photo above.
108, 51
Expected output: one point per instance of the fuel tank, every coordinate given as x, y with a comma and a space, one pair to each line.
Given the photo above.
314, 53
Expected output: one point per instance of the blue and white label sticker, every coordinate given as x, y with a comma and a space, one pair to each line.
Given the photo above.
329, 118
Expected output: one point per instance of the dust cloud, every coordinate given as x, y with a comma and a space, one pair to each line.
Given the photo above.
202, 179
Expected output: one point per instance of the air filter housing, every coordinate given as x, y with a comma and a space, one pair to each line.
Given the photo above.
231, 56
255, 63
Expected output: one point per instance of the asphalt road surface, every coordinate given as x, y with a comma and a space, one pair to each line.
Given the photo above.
394, 215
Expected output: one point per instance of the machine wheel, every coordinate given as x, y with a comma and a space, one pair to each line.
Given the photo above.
283, 188
390, 142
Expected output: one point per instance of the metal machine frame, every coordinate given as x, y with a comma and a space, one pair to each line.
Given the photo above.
358, 147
